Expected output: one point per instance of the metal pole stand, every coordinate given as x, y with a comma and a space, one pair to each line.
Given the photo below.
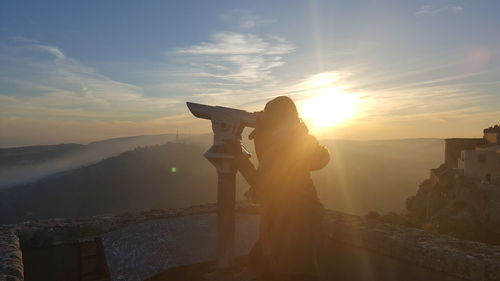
219, 156
227, 125
226, 192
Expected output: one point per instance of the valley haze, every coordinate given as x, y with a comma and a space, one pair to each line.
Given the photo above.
52, 181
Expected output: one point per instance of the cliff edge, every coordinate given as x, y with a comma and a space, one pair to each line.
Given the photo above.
450, 203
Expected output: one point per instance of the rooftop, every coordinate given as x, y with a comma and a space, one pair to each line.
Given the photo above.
493, 129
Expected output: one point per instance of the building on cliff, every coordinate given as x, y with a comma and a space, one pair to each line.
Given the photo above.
476, 158
482, 163
491, 135
462, 196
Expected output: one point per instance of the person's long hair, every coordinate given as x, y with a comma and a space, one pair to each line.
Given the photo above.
280, 112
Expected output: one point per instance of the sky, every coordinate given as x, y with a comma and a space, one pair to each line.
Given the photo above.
79, 71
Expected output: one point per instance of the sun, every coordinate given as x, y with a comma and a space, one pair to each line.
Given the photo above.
329, 107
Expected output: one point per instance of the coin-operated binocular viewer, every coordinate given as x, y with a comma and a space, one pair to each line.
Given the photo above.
227, 125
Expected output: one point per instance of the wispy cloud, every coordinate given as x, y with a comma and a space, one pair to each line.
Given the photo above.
237, 57
419, 89
432, 9
43, 89
57, 53
245, 19
42, 82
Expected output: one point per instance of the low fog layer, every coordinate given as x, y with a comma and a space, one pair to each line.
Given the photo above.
24, 164
362, 176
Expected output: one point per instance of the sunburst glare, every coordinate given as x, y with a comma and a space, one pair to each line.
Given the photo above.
328, 105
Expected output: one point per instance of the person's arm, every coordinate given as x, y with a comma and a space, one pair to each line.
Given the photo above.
247, 169
320, 156
243, 163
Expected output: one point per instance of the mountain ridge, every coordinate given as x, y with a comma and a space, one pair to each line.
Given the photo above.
362, 176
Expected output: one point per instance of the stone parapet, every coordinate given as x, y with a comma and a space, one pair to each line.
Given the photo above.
11, 258
466, 260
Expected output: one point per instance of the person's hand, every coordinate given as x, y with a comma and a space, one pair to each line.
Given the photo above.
260, 119
258, 125
234, 148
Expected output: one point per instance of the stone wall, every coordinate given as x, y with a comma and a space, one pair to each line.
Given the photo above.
55, 232
11, 258
463, 259
453, 147
492, 138
481, 164
389, 246
491, 134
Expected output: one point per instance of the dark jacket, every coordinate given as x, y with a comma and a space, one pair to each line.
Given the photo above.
290, 209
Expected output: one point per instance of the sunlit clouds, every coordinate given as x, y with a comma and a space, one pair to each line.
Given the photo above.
433, 9
377, 70
245, 19
237, 57
43, 83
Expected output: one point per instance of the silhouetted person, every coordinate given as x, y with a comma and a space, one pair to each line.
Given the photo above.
291, 212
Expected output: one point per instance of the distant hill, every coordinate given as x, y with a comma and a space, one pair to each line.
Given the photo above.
362, 176
169, 175
23, 164
29, 155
